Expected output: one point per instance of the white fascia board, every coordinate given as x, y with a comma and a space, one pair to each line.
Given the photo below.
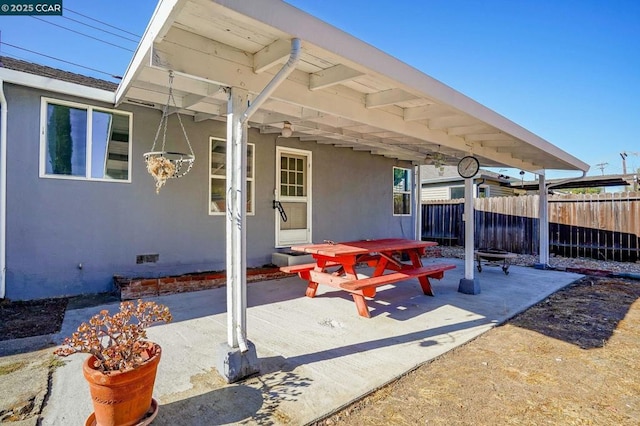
458, 179
57, 86
444, 179
161, 20
280, 15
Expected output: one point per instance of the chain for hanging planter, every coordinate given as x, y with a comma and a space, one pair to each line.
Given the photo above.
163, 164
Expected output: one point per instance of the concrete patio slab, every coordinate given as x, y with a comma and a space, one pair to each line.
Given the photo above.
317, 355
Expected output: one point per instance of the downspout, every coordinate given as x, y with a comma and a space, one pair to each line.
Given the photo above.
481, 182
3, 191
268, 90
284, 72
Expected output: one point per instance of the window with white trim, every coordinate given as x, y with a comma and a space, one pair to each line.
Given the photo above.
218, 176
84, 142
456, 192
401, 191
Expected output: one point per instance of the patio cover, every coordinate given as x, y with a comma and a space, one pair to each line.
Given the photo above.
343, 91
338, 90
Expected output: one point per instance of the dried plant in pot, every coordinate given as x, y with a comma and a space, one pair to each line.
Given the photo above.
122, 365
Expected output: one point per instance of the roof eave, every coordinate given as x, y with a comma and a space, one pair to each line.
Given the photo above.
57, 86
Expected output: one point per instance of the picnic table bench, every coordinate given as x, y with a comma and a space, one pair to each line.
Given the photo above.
335, 266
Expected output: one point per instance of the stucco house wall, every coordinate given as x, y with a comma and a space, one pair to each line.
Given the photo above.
69, 237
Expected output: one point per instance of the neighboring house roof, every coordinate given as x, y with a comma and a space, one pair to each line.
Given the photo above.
57, 74
583, 182
431, 174
342, 92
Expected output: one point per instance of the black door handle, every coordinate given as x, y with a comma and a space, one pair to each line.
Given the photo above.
278, 205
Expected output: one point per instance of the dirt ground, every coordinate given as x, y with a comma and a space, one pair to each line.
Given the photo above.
31, 318
572, 359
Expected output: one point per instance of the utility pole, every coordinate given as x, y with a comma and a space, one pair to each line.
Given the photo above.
601, 166
624, 155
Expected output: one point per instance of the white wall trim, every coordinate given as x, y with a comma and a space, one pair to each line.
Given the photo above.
57, 86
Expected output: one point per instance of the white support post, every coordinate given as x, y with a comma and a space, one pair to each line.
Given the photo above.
469, 284
237, 99
238, 358
543, 213
418, 202
468, 229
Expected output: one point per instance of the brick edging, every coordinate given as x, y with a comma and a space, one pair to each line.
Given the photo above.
136, 288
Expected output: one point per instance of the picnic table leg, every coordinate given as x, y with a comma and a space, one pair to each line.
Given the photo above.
361, 305
505, 266
350, 271
380, 267
312, 287
424, 281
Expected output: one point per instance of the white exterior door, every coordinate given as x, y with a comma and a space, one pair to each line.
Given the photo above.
293, 196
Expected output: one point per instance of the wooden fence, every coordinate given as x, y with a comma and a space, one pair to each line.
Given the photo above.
601, 226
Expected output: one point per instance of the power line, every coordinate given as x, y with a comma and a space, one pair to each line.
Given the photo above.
103, 23
62, 60
100, 29
85, 35
78, 32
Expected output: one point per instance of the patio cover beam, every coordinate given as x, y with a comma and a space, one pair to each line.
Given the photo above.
192, 54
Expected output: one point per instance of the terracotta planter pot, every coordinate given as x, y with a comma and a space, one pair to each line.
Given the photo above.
122, 398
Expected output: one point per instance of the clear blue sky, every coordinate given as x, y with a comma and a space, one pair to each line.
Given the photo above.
567, 70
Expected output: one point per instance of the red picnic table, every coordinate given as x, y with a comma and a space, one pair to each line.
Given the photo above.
335, 265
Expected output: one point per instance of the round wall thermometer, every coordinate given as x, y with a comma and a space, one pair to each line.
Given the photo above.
468, 166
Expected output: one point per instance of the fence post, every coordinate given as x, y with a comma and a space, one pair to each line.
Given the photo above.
543, 213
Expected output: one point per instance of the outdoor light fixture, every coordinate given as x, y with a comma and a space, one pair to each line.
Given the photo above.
287, 130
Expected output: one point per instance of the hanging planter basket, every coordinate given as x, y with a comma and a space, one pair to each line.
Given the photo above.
163, 164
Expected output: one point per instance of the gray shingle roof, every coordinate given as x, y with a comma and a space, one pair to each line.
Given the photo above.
44, 71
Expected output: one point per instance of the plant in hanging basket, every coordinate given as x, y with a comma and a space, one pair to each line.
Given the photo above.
122, 367
163, 164
161, 168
